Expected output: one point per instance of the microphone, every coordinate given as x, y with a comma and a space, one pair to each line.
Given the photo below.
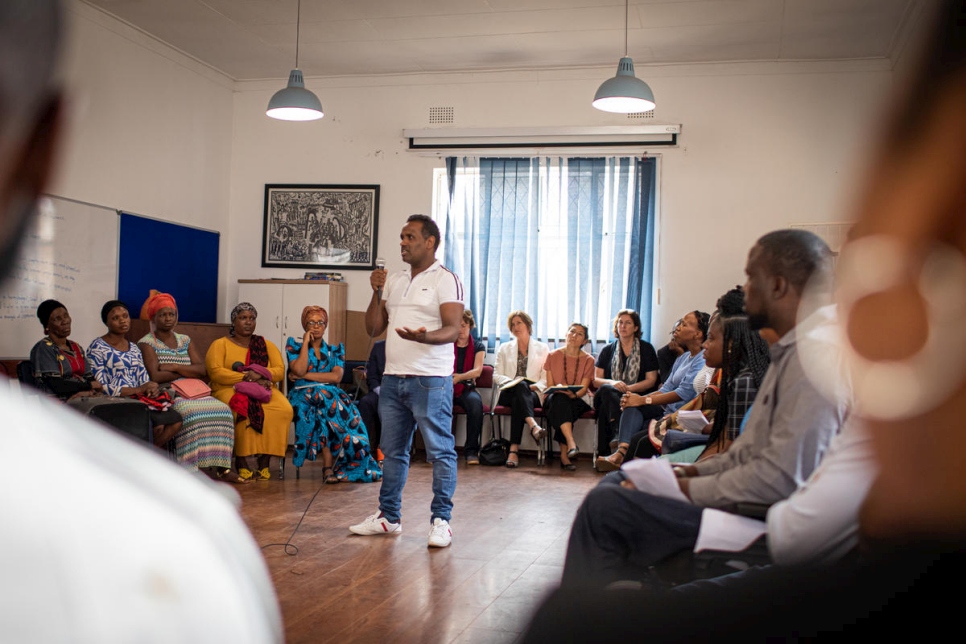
380, 265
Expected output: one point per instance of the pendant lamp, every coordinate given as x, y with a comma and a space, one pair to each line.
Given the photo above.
295, 103
625, 93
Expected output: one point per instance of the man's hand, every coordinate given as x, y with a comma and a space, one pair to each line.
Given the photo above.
626, 483
620, 386
683, 483
415, 335
377, 278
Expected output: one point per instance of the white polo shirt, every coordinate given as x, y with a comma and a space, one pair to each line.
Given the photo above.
414, 303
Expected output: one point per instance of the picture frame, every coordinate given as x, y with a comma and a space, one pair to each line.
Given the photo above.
320, 226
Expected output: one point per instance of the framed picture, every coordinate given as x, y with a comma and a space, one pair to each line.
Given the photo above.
320, 226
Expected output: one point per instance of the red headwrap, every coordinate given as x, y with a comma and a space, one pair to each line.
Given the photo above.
159, 301
309, 310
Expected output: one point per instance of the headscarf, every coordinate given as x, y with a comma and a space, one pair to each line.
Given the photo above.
110, 306
242, 306
159, 301
309, 310
46, 309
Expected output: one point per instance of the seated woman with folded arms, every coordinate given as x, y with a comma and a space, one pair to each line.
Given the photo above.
522, 357
59, 365
207, 438
629, 364
118, 364
567, 368
679, 389
261, 428
326, 421
468, 366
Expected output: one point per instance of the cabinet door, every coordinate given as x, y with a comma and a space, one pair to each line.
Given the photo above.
267, 300
297, 297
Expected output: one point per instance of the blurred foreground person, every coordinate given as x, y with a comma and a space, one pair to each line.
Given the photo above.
902, 284
112, 543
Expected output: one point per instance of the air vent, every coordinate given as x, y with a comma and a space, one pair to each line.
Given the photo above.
641, 115
441, 115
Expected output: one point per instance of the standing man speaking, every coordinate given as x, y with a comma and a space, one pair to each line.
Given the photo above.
424, 307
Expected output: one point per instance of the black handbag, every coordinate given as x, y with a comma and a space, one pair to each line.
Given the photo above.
495, 452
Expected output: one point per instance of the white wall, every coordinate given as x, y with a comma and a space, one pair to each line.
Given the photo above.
763, 146
149, 129
154, 132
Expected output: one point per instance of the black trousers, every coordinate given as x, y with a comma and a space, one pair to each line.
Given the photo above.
607, 404
521, 401
562, 409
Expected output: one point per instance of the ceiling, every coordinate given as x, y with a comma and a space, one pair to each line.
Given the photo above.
254, 39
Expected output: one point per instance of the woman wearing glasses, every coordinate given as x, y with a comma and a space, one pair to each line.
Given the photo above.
325, 419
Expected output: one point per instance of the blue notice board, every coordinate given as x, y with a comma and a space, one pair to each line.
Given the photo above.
171, 258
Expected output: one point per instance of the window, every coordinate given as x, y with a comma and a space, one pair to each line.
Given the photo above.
565, 239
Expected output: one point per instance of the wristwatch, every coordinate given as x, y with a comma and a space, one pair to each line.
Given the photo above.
647, 400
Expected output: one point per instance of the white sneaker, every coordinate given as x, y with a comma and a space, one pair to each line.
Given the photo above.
441, 535
376, 524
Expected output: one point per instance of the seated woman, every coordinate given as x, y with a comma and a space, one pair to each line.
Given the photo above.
261, 428
118, 365
743, 357
570, 370
468, 366
679, 389
522, 357
325, 418
629, 364
207, 437
59, 366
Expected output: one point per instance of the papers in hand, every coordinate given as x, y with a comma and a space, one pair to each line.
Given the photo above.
692, 421
515, 382
654, 476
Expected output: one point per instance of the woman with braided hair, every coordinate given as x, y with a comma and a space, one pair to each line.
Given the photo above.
261, 428
742, 355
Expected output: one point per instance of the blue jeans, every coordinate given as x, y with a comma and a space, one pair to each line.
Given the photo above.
636, 419
426, 401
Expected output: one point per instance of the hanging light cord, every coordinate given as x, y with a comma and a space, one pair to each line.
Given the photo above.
627, 4
298, 24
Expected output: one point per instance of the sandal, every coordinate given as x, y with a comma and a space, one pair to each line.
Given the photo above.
537, 432
569, 467
328, 476
264, 474
227, 476
513, 464
613, 462
573, 451
245, 474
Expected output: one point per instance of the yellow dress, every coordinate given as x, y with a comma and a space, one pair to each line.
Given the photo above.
273, 440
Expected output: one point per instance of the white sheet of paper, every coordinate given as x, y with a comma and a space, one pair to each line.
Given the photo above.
728, 532
654, 476
692, 420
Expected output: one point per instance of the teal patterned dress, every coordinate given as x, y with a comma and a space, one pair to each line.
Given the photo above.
207, 437
326, 417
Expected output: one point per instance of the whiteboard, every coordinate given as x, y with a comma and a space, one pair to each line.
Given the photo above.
70, 255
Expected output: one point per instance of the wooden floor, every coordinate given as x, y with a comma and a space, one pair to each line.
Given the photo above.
510, 532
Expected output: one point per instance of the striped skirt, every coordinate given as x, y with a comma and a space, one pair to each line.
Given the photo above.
207, 437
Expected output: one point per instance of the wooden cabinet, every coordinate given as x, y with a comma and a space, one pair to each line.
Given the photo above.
280, 302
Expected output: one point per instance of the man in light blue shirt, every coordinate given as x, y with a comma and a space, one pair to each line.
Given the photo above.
677, 390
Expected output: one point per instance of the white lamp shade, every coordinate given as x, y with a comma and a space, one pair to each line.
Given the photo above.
295, 103
624, 93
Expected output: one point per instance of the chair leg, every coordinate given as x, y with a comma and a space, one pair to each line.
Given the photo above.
281, 469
